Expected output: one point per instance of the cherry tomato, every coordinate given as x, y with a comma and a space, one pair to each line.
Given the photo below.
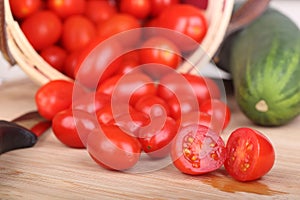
202, 118
24, 8
129, 61
185, 105
99, 11
197, 150
250, 154
55, 56
119, 23
97, 62
66, 8
91, 102
152, 105
54, 97
157, 6
139, 9
219, 111
71, 61
42, 29
128, 88
186, 19
72, 127
77, 32
161, 51
156, 139
113, 149
202, 4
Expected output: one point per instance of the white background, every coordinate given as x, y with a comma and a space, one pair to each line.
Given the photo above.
289, 7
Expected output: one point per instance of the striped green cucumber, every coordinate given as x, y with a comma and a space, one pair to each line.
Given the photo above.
265, 66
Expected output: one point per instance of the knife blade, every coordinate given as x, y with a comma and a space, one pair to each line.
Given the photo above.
22, 132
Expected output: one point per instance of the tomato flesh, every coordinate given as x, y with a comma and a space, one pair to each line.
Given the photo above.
198, 150
250, 155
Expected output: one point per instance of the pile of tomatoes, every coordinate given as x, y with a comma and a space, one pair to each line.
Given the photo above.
119, 106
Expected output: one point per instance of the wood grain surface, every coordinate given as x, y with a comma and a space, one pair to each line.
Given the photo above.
50, 170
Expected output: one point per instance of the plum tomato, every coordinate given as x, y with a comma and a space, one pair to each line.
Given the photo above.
24, 8
157, 6
55, 56
192, 22
42, 29
197, 150
157, 137
99, 11
66, 8
121, 22
139, 9
161, 51
78, 31
91, 102
152, 105
250, 154
72, 127
219, 111
113, 149
54, 97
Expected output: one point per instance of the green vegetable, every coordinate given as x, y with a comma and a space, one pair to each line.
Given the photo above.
264, 60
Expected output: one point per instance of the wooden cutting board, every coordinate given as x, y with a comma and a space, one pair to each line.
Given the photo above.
52, 171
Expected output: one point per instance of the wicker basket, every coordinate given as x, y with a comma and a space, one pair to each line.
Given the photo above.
17, 49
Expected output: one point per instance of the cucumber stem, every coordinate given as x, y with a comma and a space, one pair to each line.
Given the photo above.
262, 106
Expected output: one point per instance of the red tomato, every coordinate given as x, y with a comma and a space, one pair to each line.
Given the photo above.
54, 97
91, 102
161, 51
128, 88
24, 8
131, 123
119, 23
192, 23
250, 154
72, 127
156, 139
219, 111
99, 11
78, 31
202, 118
55, 56
152, 106
66, 8
197, 150
179, 107
157, 6
129, 62
97, 62
113, 149
71, 61
42, 29
139, 9
202, 4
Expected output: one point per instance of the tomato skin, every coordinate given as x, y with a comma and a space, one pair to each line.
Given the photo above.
66, 8
99, 11
113, 149
71, 127
183, 106
250, 154
197, 150
42, 29
191, 19
161, 51
157, 6
219, 111
55, 56
78, 32
139, 9
24, 8
54, 97
70, 63
156, 139
119, 23
202, 4
152, 106
129, 61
